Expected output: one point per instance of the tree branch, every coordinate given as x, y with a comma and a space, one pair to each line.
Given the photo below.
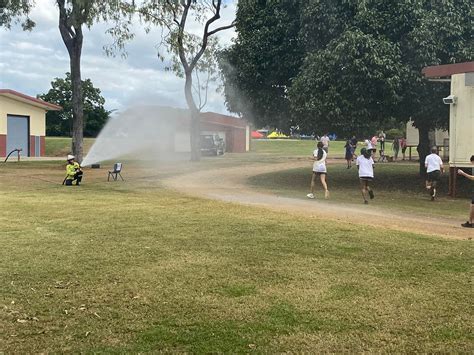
221, 28
181, 26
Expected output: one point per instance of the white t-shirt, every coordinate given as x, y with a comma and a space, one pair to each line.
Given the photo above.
369, 144
319, 166
325, 141
433, 162
366, 166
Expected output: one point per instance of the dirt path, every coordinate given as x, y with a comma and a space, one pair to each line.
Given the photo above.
229, 184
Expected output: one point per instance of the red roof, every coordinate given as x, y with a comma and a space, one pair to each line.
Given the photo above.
29, 99
438, 71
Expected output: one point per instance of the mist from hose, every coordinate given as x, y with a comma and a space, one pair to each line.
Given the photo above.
144, 133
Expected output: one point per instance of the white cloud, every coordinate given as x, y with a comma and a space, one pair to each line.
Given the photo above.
29, 61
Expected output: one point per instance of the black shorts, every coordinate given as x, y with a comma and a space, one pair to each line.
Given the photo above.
434, 176
366, 178
319, 173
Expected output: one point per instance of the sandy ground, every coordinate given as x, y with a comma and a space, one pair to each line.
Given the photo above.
229, 184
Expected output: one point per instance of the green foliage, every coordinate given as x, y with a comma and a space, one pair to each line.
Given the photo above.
16, 12
258, 68
59, 123
323, 93
344, 65
395, 133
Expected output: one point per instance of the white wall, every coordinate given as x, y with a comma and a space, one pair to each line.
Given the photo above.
461, 121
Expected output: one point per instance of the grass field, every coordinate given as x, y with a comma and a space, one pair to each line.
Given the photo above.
306, 147
61, 146
133, 267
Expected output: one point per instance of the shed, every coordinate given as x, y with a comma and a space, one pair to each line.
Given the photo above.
165, 130
461, 113
23, 123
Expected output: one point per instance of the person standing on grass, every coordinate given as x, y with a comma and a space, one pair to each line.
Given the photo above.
395, 148
403, 146
73, 171
325, 140
319, 170
354, 146
349, 154
469, 223
434, 169
365, 164
382, 137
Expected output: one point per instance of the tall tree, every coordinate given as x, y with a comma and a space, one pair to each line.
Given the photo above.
189, 47
360, 61
74, 16
59, 123
259, 67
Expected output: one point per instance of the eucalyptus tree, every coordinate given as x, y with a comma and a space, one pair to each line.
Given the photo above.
190, 27
73, 17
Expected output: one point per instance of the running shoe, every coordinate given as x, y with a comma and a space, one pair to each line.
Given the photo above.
371, 194
432, 192
467, 225
366, 202
326, 194
310, 196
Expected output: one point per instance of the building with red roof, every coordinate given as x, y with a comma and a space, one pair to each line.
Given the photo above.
23, 123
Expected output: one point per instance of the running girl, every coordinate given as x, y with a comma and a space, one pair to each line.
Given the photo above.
365, 164
319, 170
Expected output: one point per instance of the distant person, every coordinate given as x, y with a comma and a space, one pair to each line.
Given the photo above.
73, 171
319, 170
469, 223
403, 146
370, 147
382, 137
325, 140
365, 164
395, 148
354, 146
349, 155
434, 169
374, 140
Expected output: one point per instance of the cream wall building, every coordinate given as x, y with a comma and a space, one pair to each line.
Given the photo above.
461, 120
461, 114
23, 123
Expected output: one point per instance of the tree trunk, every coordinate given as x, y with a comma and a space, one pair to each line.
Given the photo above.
423, 147
195, 130
77, 102
72, 38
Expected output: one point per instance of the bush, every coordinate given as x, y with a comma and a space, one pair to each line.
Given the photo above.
395, 133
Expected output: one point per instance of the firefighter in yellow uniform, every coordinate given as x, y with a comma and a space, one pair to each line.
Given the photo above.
73, 171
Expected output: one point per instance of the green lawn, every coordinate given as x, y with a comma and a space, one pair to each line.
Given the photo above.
133, 267
288, 147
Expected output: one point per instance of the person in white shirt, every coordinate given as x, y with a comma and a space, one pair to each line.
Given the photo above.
319, 169
325, 140
365, 164
434, 169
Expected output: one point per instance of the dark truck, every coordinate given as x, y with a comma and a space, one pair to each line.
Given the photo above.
212, 144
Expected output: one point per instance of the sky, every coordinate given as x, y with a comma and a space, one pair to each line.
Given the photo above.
29, 61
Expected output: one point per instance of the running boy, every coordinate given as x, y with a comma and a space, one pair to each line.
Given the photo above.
319, 170
365, 164
434, 169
